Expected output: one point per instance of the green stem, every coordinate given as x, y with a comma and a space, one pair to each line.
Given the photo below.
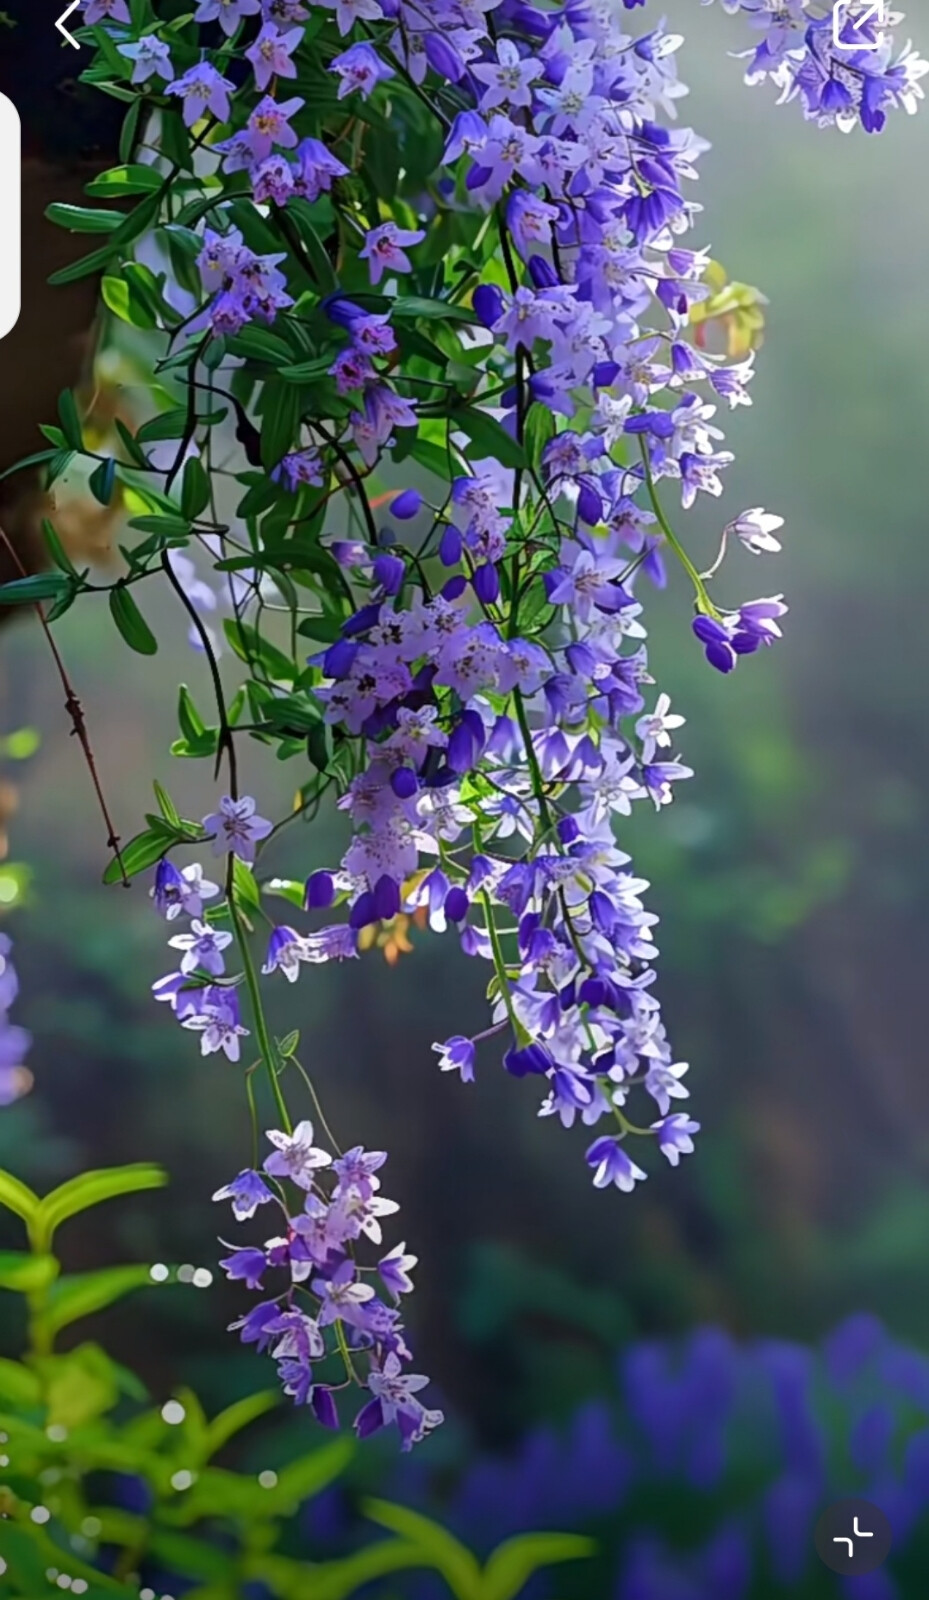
704, 601
262, 1032
500, 963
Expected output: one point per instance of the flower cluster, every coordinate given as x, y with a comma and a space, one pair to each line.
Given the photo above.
15, 1078
329, 1311
431, 266
840, 61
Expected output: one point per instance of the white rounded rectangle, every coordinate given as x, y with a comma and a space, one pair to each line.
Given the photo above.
10, 226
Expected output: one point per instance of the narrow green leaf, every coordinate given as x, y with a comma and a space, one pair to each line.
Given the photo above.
91, 1189
131, 623
23, 1272
488, 437
102, 480
236, 1417
512, 1564
195, 489
29, 591
439, 1548
141, 852
70, 421
83, 219
81, 1294
57, 550
125, 180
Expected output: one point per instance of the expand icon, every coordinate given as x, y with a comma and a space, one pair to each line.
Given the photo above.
857, 13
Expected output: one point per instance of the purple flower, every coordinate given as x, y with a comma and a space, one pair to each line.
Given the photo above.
383, 249
203, 947
247, 1264
150, 57
269, 125
285, 953
247, 1192
457, 1055
675, 1136
394, 1270
202, 88
236, 828
271, 52
214, 1014
395, 1401
228, 13
105, 11
174, 891
348, 12
301, 466
295, 1156
361, 70
612, 1165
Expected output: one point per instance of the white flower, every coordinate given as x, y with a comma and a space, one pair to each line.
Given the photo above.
755, 529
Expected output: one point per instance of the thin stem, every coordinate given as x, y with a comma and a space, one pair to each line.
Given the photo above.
76, 712
262, 1031
706, 603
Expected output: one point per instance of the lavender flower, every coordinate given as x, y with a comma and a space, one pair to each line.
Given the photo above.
236, 828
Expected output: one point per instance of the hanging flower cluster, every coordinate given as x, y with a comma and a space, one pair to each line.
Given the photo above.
840, 60
429, 318
15, 1078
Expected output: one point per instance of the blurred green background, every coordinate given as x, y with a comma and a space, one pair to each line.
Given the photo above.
791, 876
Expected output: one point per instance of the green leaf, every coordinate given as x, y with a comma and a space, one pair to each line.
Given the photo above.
170, 526
439, 1548
125, 180
81, 1294
320, 264
91, 1189
85, 267
195, 488
141, 852
539, 429
280, 420
18, 1385
166, 805
131, 623
512, 1564
17, 1198
83, 219
245, 885
236, 1417
120, 298
250, 646
102, 480
70, 421
489, 437
29, 591
409, 306
24, 1272
308, 1475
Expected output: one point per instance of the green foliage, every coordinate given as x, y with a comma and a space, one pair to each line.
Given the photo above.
69, 1420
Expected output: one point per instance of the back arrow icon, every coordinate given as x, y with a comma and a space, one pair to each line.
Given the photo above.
60, 24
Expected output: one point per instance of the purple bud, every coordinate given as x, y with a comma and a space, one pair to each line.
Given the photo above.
323, 1405
442, 57
363, 913
486, 583
386, 898
461, 753
533, 1059
487, 301
457, 904
542, 272
389, 572
406, 505
404, 783
454, 588
337, 661
320, 891
342, 311
605, 373
589, 502
450, 547
568, 830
